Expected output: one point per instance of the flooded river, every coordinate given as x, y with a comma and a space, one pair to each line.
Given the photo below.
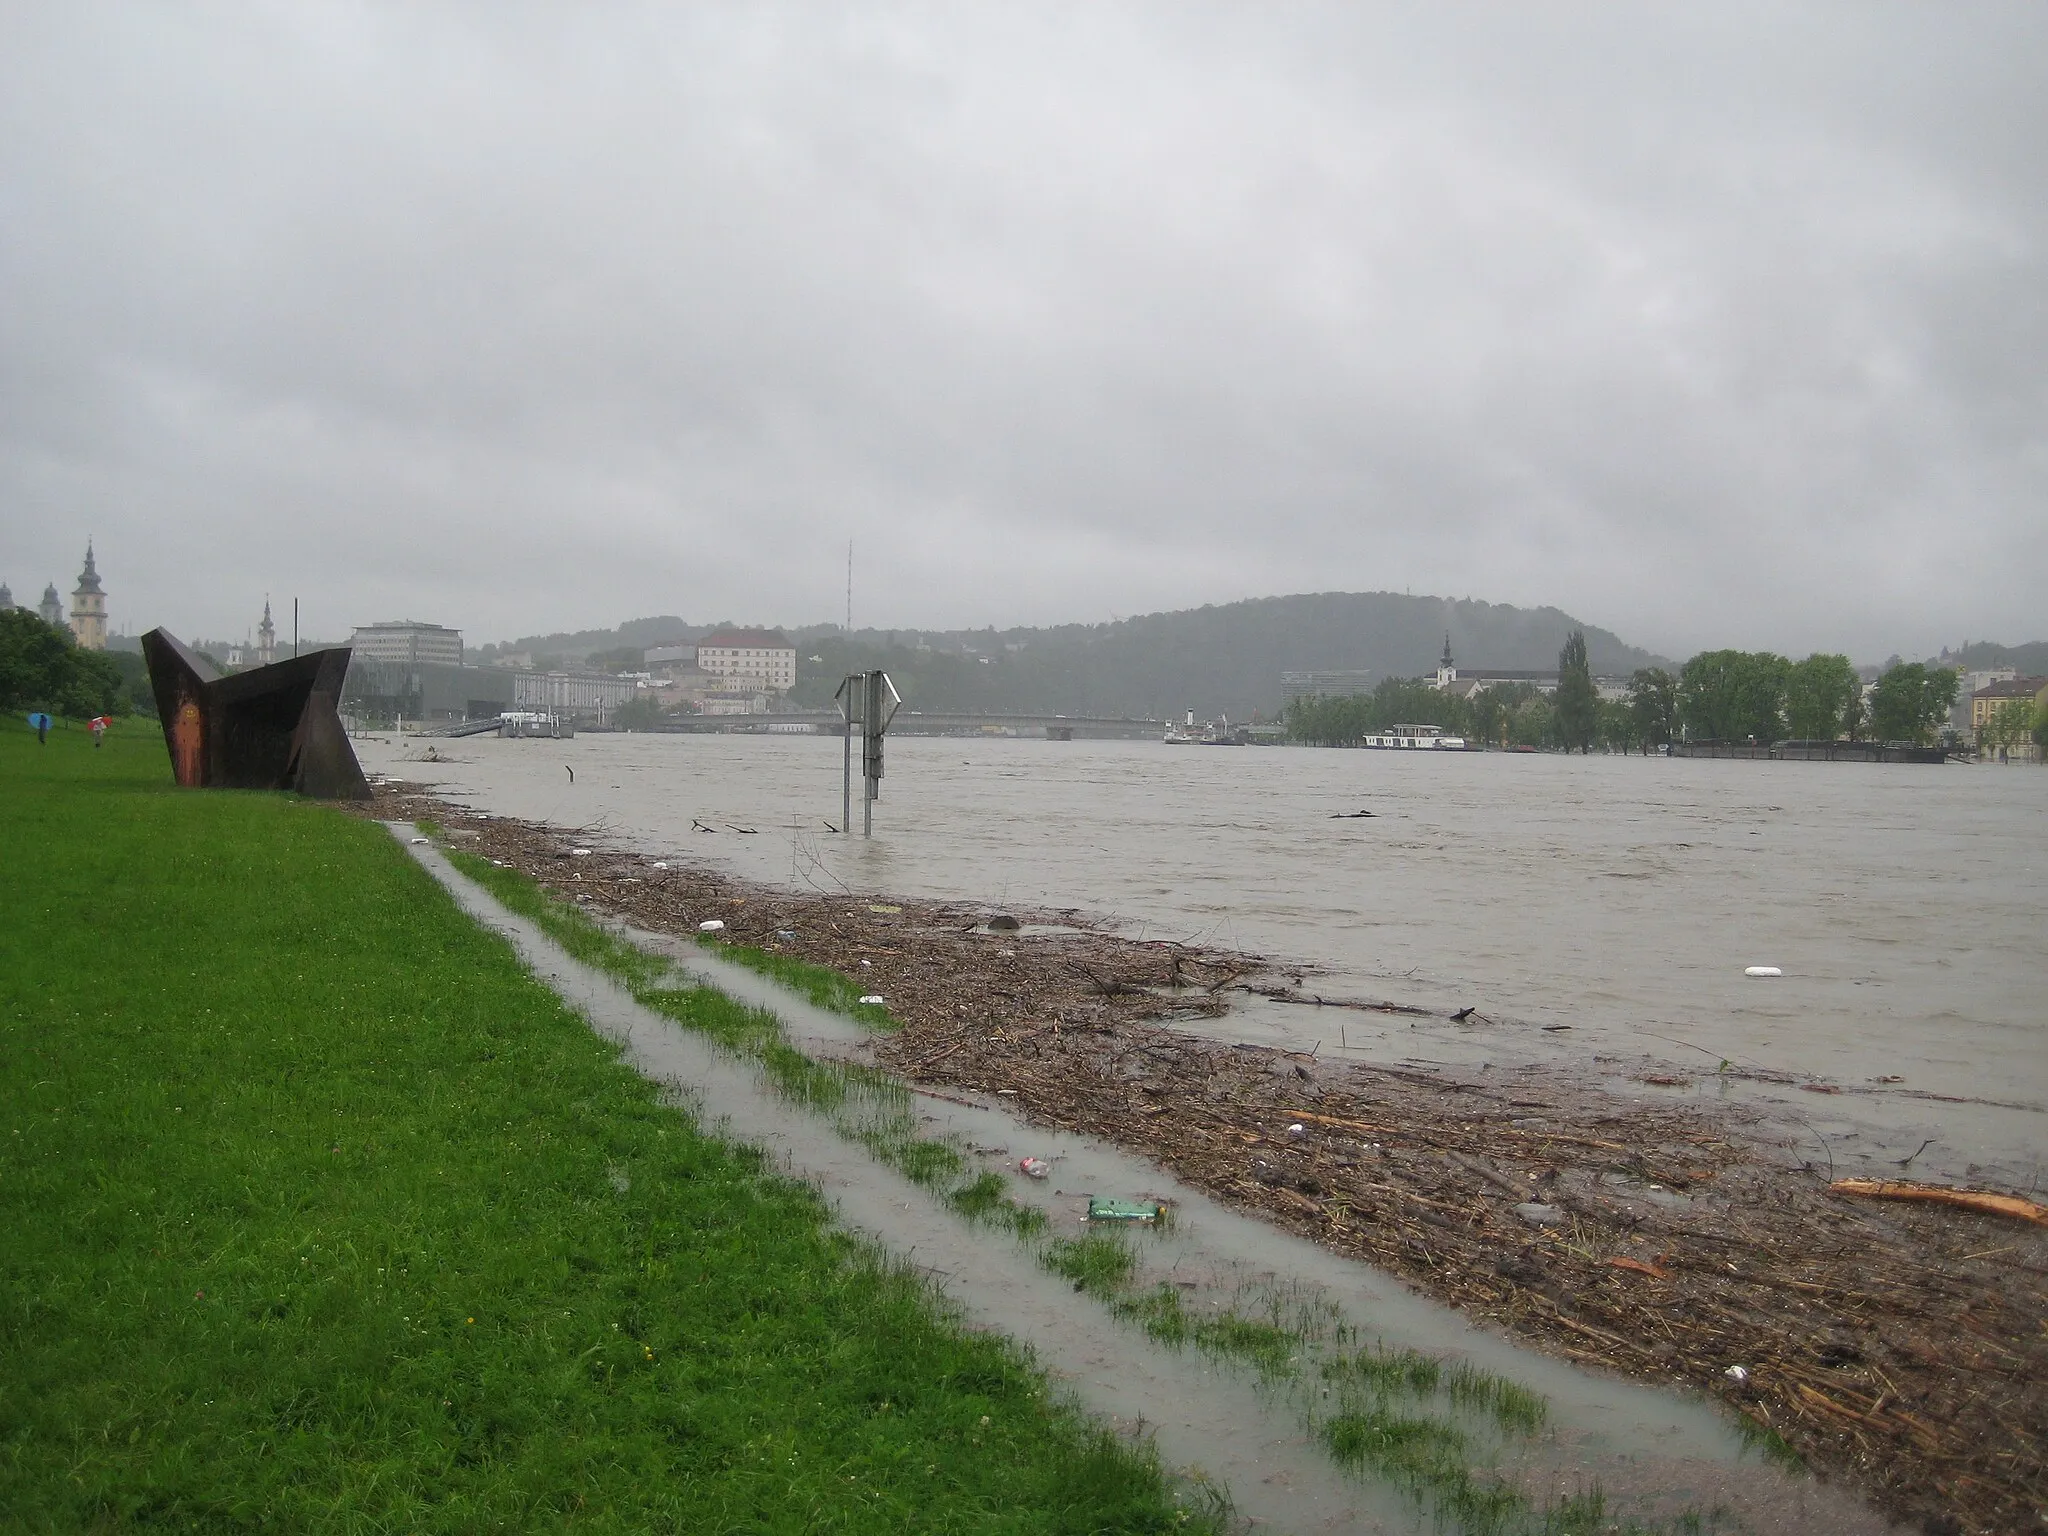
1621, 897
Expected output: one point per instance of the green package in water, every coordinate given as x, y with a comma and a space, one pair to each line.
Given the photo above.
1122, 1210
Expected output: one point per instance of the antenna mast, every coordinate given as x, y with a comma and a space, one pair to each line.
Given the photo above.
849, 589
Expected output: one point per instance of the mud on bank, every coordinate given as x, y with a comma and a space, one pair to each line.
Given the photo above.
1900, 1349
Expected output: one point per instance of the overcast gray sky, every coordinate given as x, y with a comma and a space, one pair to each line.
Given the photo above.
1712, 324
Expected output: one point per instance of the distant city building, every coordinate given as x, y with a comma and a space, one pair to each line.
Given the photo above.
733, 702
666, 659
266, 638
408, 640
757, 658
52, 606
1992, 697
89, 607
584, 695
1478, 680
6, 598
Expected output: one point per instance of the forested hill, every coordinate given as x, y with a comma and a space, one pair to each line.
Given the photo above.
1213, 660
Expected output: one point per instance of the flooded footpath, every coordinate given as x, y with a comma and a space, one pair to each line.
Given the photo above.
1317, 1393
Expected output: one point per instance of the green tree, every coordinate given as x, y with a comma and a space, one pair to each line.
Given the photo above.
1530, 724
636, 714
1653, 700
1617, 731
1733, 696
2041, 721
2007, 726
1911, 701
1577, 703
1817, 695
1854, 714
1489, 719
41, 667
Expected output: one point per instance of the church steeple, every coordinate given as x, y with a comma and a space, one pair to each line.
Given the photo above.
266, 638
89, 607
1447, 669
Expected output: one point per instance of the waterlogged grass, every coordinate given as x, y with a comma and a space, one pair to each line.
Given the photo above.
865, 1106
1768, 1444
1099, 1263
321, 1214
829, 989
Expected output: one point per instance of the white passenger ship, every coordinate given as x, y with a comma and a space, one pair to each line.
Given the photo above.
1429, 738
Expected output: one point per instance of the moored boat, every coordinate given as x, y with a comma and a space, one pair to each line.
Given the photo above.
1411, 738
1211, 733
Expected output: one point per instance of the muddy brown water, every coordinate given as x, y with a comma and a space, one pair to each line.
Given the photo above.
1619, 897
1651, 1452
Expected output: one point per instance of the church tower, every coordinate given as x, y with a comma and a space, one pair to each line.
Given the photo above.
89, 607
1447, 669
266, 638
52, 606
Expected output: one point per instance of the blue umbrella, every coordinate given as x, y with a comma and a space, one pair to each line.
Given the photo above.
40, 721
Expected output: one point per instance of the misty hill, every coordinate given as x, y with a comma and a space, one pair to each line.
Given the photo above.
2029, 660
1219, 659
575, 645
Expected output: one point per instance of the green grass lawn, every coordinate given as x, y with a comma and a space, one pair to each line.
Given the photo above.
317, 1212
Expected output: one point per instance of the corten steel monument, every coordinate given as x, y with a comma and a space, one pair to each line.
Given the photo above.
273, 727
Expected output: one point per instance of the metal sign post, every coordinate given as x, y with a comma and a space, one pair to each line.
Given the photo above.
870, 701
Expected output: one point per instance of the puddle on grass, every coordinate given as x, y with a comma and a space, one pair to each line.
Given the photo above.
1655, 1456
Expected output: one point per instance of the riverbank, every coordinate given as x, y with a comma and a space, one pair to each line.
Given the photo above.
322, 1213
1898, 1348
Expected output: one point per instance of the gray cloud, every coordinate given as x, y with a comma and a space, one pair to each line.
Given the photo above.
1713, 326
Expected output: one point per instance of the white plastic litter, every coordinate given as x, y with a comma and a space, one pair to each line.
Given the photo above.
660, 864
1761, 970
710, 925
581, 853
419, 840
873, 997
1296, 1129
1034, 1167
1737, 1373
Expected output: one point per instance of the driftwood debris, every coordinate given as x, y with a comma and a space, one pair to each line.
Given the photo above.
1980, 1200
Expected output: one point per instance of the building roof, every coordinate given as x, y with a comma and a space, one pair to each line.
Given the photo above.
751, 639
408, 624
89, 578
2012, 688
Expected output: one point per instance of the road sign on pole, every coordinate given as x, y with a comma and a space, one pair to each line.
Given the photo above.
868, 701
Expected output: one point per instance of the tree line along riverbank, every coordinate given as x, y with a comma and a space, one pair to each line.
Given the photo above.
1900, 1348
322, 1214
1724, 696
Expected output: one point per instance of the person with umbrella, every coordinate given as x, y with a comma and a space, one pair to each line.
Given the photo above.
41, 722
99, 724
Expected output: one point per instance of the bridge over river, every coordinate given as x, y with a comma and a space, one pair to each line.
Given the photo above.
910, 722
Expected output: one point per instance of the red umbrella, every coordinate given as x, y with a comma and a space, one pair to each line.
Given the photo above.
102, 720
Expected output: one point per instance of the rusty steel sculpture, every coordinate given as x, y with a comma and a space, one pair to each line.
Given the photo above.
273, 727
